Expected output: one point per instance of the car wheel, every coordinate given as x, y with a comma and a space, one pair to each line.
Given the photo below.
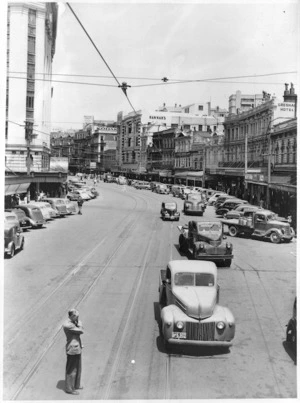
291, 334
232, 230
181, 243
12, 251
274, 237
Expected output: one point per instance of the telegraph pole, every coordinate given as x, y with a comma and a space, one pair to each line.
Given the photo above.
28, 137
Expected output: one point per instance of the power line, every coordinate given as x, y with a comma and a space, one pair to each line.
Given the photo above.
119, 85
65, 82
152, 78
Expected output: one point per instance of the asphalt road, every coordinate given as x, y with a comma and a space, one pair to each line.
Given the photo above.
106, 263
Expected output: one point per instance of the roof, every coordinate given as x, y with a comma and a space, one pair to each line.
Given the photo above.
195, 266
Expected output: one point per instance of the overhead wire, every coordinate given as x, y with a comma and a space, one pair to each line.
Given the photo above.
119, 85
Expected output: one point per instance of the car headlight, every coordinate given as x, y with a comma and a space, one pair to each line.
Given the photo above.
228, 245
220, 327
201, 246
179, 325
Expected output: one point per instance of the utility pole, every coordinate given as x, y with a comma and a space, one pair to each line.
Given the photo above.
28, 137
246, 159
204, 166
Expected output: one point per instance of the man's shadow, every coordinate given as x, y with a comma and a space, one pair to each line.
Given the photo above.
61, 385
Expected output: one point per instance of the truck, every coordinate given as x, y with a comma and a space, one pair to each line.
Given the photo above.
262, 224
204, 240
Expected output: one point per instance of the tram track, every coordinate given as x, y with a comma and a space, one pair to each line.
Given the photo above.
30, 315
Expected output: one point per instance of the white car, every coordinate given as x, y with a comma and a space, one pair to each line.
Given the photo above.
211, 201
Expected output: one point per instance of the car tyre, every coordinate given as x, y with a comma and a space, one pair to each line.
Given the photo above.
232, 230
274, 237
12, 251
291, 335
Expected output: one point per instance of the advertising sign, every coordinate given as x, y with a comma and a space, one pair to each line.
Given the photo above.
284, 110
92, 165
60, 164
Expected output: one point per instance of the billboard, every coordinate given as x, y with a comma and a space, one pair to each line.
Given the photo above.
59, 164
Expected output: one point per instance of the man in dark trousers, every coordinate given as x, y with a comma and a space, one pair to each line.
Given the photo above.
73, 329
80, 203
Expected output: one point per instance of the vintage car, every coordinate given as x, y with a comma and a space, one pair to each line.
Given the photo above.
212, 200
57, 204
240, 210
72, 206
228, 205
221, 200
176, 190
162, 188
194, 204
45, 208
21, 216
191, 314
11, 216
184, 192
34, 214
262, 224
204, 240
291, 330
142, 185
169, 211
13, 238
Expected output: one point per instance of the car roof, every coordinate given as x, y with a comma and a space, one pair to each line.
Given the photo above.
195, 266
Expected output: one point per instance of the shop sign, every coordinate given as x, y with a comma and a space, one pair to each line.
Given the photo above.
92, 165
255, 177
60, 164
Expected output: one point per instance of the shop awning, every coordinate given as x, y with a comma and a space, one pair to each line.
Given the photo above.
189, 174
16, 188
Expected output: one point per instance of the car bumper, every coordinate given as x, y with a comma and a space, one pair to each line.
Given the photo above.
168, 217
214, 257
212, 343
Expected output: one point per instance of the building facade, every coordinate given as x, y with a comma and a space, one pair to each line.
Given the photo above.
31, 36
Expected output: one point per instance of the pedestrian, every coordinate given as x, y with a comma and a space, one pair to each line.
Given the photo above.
73, 329
80, 203
95, 181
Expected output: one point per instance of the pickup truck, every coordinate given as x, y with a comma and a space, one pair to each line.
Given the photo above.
190, 310
261, 224
204, 240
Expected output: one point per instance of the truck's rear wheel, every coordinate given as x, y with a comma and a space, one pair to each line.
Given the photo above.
232, 230
274, 237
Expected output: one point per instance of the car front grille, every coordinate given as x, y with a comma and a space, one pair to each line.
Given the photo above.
200, 331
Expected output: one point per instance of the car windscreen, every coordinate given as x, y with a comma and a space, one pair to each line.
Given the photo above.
194, 279
170, 205
194, 197
212, 231
10, 218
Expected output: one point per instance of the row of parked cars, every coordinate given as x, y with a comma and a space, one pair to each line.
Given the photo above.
35, 215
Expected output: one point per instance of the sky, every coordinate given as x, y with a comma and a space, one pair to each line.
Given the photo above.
144, 42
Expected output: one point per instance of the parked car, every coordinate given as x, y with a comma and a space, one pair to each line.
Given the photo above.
176, 190
222, 199
13, 238
184, 192
291, 330
161, 188
228, 205
153, 186
45, 209
10, 216
240, 211
75, 194
21, 216
204, 240
71, 206
34, 214
57, 204
142, 185
169, 211
194, 204
212, 200
261, 224
191, 314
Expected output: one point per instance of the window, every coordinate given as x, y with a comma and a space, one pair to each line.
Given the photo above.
129, 142
200, 107
31, 44
30, 101
32, 17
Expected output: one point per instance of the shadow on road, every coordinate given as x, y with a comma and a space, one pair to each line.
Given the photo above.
60, 385
290, 351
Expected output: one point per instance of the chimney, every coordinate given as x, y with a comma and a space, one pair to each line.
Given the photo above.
286, 92
292, 90
290, 96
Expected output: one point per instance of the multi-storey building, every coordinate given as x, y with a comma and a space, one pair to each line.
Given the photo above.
161, 152
251, 150
239, 102
31, 37
136, 131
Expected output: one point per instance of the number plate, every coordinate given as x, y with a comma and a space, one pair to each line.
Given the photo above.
179, 335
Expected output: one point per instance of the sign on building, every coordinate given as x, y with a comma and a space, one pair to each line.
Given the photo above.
284, 110
92, 165
60, 164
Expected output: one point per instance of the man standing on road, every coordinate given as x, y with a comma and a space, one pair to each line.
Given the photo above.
73, 329
80, 203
